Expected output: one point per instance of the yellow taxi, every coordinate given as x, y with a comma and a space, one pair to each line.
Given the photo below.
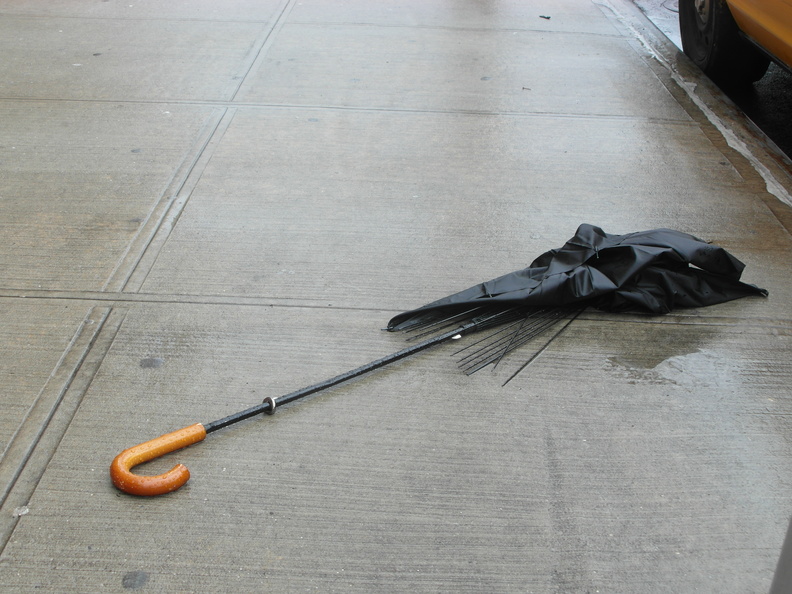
733, 41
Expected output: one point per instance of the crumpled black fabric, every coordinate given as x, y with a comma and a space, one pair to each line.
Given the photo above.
650, 271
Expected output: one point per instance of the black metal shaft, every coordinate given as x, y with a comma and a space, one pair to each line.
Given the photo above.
269, 404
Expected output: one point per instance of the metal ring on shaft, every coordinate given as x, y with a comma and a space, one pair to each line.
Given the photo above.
271, 401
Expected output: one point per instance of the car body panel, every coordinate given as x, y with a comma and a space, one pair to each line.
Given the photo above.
768, 23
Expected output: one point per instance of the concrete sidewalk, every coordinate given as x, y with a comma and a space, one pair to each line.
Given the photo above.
204, 204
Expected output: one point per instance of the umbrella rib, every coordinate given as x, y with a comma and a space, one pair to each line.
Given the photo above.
427, 328
544, 347
486, 359
511, 342
489, 337
492, 345
539, 322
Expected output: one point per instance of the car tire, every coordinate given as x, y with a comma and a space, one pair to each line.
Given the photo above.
711, 38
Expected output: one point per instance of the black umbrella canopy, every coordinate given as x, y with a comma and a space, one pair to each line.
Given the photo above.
650, 271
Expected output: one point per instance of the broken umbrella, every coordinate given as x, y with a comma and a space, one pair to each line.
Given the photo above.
653, 271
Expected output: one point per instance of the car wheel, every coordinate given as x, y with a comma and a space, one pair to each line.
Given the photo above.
711, 38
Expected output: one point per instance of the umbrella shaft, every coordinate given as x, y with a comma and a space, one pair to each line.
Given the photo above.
267, 405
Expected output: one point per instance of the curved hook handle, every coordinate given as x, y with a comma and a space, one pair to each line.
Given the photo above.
163, 483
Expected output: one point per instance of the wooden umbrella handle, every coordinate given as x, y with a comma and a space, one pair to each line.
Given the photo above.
136, 484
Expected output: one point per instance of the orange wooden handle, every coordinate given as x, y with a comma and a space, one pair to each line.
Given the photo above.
136, 484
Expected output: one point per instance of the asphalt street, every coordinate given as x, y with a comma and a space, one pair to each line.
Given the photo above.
768, 102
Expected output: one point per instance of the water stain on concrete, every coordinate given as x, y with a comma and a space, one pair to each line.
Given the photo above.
134, 580
152, 362
651, 349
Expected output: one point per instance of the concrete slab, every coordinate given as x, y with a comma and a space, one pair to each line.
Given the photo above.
125, 59
203, 10
35, 337
334, 180
81, 181
561, 15
393, 483
524, 71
